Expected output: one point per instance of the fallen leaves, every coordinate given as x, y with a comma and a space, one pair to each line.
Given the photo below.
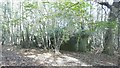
33, 57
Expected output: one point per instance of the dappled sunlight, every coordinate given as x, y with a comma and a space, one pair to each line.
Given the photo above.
60, 33
46, 58
56, 60
104, 62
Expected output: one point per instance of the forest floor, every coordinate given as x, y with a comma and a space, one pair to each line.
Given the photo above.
13, 56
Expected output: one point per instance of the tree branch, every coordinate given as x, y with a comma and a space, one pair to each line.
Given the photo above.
106, 4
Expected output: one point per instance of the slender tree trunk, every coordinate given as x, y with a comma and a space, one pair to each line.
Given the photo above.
108, 42
108, 37
119, 35
119, 32
119, 38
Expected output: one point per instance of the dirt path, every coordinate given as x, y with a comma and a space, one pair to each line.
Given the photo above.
11, 58
33, 57
95, 59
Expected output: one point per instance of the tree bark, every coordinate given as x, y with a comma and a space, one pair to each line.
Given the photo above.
108, 37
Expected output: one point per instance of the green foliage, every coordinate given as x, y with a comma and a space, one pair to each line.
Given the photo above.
30, 6
58, 21
104, 24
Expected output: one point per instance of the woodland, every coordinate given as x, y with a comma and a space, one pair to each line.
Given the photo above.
59, 33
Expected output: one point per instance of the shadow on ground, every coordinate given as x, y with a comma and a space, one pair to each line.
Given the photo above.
34, 57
